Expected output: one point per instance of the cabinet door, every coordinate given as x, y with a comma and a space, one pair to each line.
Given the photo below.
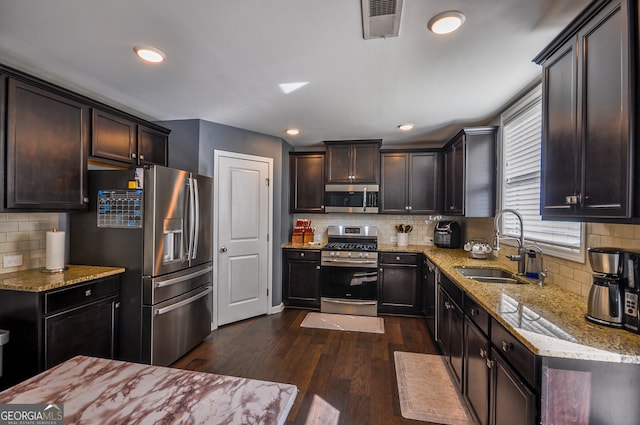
88, 330
366, 163
457, 342
338, 163
302, 278
512, 402
394, 168
152, 146
476, 372
423, 183
307, 183
454, 177
604, 101
398, 290
46, 162
443, 323
560, 149
113, 137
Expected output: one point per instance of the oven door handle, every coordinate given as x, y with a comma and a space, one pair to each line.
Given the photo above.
182, 303
175, 280
351, 262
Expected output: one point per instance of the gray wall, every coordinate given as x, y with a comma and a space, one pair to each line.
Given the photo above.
191, 147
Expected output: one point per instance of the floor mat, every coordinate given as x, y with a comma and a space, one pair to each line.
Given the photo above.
344, 322
426, 390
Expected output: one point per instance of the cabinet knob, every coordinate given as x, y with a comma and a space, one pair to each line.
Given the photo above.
409, 208
85, 200
133, 155
489, 363
302, 254
507, 346
141, 157
448, 305
451, 207
87, 293
397, 258
117, 305
483, 353
473, 312
381, 269
571, 200
317, 267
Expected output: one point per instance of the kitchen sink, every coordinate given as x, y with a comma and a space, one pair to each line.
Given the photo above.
487, 275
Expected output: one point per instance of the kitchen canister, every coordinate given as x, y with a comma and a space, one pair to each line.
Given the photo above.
403, 239
55, 247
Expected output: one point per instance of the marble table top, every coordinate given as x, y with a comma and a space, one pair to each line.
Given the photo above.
99, 391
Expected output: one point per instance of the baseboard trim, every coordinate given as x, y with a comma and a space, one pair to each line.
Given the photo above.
276, 309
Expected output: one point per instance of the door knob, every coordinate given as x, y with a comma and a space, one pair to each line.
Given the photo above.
223, 249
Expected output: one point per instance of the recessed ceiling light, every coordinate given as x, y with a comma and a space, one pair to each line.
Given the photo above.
150, 54
292, 131
290, 87
446, 22
406, 127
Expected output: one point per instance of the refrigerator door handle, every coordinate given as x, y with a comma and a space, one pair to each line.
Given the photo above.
196, 227
164, 310
180, 279
191, 218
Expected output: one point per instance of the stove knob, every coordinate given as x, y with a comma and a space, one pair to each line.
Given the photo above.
361, 255
349, 254
332, 254
366, 255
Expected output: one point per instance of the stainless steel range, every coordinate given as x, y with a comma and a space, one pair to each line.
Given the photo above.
350, 271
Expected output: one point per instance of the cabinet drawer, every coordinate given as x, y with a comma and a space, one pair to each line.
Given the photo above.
519, 356
398, 258
302, 254
452, 289
77, 295
477, 314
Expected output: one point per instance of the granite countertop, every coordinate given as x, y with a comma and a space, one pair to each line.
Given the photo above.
549, 320
35, 280
95, 391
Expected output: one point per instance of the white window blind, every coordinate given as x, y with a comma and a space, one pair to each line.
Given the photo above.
521, 136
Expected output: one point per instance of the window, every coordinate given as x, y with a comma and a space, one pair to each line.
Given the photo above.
520, 182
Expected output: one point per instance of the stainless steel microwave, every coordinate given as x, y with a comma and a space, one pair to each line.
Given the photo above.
351, 198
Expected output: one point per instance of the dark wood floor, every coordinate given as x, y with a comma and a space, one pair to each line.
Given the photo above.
352, 371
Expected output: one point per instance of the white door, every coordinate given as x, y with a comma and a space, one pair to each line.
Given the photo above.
243, 225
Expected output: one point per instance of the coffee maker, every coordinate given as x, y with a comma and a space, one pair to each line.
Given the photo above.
613, 298
605, 297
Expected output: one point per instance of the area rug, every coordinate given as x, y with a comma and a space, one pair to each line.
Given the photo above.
426, 390
344, 322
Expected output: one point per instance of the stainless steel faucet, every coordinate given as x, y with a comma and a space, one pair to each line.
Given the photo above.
520, 257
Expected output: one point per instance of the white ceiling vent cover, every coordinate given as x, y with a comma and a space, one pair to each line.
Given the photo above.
381, 18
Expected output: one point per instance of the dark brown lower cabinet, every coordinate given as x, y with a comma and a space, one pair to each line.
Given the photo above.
90, 327
47, 328
477, 372
399, 283
512, 401
451, 329
301, 278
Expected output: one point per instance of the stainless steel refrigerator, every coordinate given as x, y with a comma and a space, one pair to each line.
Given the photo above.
156, 222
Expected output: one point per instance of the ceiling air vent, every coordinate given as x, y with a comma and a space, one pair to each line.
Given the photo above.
381, 18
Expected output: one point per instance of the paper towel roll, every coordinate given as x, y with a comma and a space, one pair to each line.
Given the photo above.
55, 251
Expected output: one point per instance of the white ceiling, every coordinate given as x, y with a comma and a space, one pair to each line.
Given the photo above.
225, 59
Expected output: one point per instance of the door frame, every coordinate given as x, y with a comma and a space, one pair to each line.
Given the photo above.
217, 154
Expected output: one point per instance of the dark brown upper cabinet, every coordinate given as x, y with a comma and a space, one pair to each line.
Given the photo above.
409, 182
470, 173
589, 148
307, 182
46, 137
152, 146
113, 138
353, 161
120, 139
